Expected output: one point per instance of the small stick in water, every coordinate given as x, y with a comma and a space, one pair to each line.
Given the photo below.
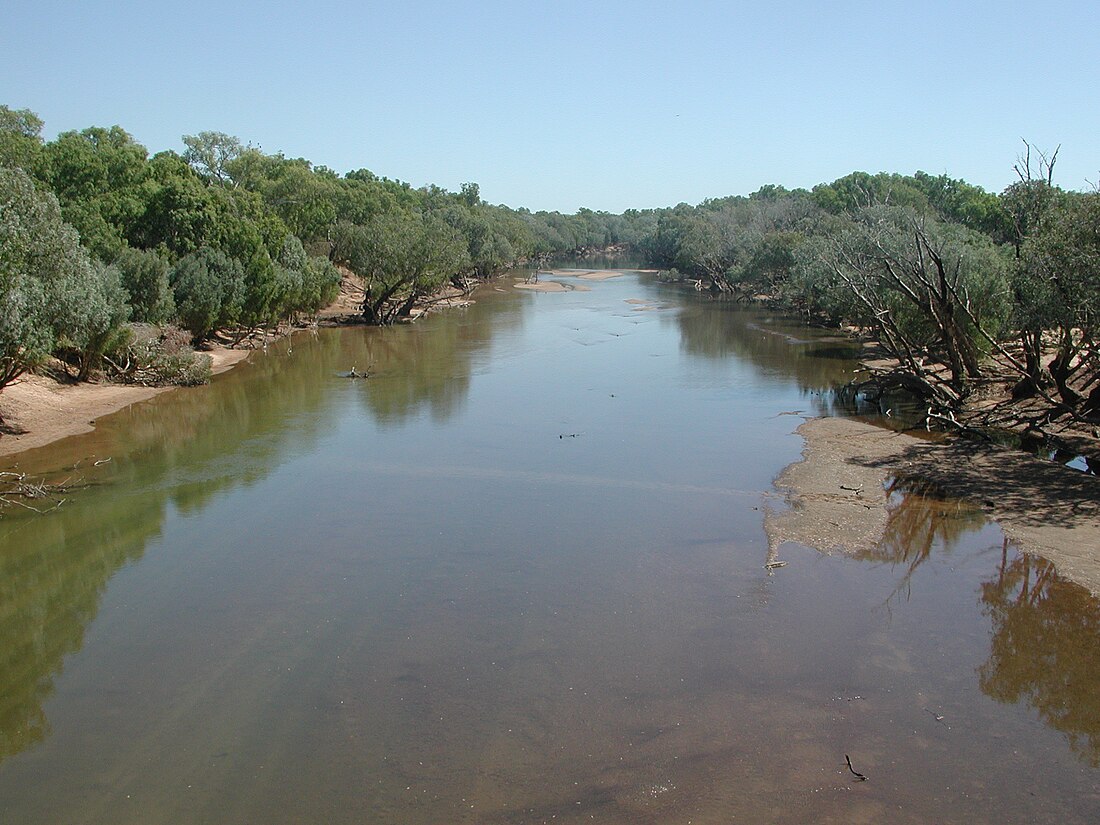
858, 775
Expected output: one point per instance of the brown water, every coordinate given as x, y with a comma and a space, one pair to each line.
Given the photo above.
517, 576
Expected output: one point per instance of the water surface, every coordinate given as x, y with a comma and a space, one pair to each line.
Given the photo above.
517, 575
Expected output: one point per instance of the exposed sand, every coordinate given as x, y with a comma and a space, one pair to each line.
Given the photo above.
37, 410
590, 274
642, 305
600, 276
349, 301
570, 273
48, 410
544, 286
579, 274
838, 502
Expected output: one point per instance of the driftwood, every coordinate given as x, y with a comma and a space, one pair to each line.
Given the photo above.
17, 489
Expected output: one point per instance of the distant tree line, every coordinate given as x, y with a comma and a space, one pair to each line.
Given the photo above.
941, 272
96, 235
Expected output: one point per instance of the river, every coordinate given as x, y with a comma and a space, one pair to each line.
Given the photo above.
518, 575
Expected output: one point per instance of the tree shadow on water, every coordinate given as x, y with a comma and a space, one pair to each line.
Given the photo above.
1014, 486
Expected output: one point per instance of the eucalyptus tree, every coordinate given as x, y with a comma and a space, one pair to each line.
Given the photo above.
211, 153
860, 190
37, 253
930, 291
179, 214
209, 290
960, 202
1058, 277
361, 194
305, 198
144, 276
51, 293
20, 137
304, 284
95, 311
402, 258
98, 175
1028, 203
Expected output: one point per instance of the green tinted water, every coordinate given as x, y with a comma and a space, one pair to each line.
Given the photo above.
517, 576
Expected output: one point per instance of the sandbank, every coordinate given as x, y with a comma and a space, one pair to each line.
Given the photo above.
543, 286
600, 276
837, 500
589, 274
642, 305
48, 410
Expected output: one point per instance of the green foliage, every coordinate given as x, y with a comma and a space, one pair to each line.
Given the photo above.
211, 153
401, 258
767, 263
51, 293
179, 214
860, 190
320, 285
1065, 254
1057, 285
144, 275
361, 195
93, 305
921, 285
209, 290
491, 234
305, 200
303, 284
471, 195
259, 305
959, 202
97, 175
38, 251
293, 254
20, 137
661, 247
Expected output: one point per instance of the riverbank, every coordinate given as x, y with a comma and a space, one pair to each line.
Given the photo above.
38, 409
837, 498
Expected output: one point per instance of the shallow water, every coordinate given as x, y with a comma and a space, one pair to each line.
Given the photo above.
517, 576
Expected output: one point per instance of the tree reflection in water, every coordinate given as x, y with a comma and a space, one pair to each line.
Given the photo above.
189, 449
920, 517
1045, 648
1045, 634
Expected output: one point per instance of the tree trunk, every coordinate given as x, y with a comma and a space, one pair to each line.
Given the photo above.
1061, 371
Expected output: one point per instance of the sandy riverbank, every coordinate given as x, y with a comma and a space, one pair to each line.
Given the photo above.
579, 274
38, 409
837, 500
543, 286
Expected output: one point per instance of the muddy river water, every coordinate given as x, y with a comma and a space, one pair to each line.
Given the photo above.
517, 575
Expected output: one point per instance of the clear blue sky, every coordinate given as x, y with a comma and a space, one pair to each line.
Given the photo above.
558, 105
